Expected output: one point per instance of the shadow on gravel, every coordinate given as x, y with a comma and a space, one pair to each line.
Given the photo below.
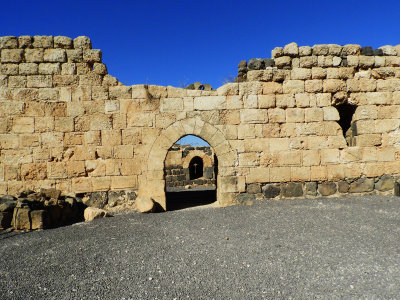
186, 199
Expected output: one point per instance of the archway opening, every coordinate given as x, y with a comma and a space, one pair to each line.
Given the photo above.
190, 173
195, 168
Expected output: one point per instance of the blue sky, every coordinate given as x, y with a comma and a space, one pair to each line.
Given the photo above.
179, 42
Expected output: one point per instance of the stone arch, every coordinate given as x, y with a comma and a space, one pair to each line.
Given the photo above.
207, 161
151, 181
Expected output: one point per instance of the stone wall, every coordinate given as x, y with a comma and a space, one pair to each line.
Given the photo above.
66, 124
177, 167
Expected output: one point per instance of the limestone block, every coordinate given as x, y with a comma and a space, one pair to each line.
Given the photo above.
279, 174
332, 73
92, 55
253, 116
300, 173
65, 80
12, 55
272, 88
63, 124
305, 51
329, 156
17, 81
265, 101
284, 61
318, 73
124, 182
171, 104
319, 173
210, 103
300, 74
351, 50
331, 113
73, 138
74, 55
276, 52
334, 85
75, 168
28, 69
287, 158
294, 115
302, 100
49, 68
9, 42
83, 69
100, 122
284, 101
3, 80
314, 114
68, 69
318, 50
379, 98
291, 50
82, 185
336, 61
9, 69
82, 42
39, 81
120, 92
55, 55
366, 61
308, 62
92, 213
388, 50
258, 175
380, 61
392, 61
91, 80
293, 86
279, 144
353, 61
311, 157
23, 125
111, 137
9, 141
99, 68
276, 115
250, 159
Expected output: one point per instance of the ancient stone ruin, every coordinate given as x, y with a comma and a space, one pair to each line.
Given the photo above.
309, 121
189, 167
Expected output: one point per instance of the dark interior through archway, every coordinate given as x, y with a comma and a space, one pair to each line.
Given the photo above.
193, 184
346, 112
195, 168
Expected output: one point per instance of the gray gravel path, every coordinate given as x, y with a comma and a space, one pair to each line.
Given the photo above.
300, 249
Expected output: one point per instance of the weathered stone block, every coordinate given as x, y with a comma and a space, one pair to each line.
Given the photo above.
293, 86
327, 188
362, 185
82, 42
385, 183
28, 69
92, 56
8, 42
5, 219
284, 61
12, 56
311, 188
292, 189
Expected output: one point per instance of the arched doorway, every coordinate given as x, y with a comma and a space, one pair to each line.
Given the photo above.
189, 172
151, 181
196, 168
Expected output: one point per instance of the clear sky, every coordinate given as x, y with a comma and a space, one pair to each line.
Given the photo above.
179, 42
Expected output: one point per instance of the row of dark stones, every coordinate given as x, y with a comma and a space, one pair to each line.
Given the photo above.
263, 63
327, 188
195, 182
49, 209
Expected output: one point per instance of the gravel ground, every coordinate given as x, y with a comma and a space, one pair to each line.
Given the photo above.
299, 249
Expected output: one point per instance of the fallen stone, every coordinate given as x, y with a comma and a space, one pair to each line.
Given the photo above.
145, 204
38, 219
362, 185
96, 199
21, 218
327, 188
385, 183
92, 213
271, 191
292, 189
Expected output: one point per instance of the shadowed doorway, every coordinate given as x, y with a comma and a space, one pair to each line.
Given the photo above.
190, 172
